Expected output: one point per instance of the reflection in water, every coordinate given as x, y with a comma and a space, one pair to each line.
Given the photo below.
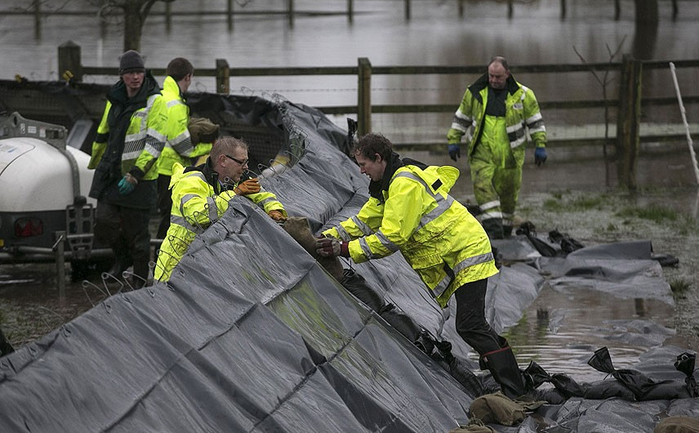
561, 330
644, 40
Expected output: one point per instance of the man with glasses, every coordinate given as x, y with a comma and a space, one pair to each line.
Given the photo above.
200, 196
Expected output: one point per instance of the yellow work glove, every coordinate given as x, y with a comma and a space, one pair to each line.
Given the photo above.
276, 215
250, 186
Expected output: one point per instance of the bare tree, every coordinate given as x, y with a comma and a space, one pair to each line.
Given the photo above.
134, 13
604, 81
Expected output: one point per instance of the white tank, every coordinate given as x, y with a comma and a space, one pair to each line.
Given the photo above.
36, 176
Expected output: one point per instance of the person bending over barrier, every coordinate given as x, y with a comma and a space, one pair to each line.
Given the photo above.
410, 210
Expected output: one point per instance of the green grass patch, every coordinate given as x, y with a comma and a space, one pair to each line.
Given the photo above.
655, 213
679, 285
553, 205
574, 204
588, 202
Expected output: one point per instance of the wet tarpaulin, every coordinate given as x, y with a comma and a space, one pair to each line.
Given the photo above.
252, 334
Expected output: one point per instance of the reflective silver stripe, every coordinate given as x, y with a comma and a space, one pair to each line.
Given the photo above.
515, 134
343, 233
210, 206
518, 142
365, 248
541, 128
198, 174
442, 204
536, 123
157, 135
386, 243
489, 215
133, 138
174, 102
362, 226
441, 287
132, 150
533, 119
461, 121
183, 222
473, 261
265, 201
489, 205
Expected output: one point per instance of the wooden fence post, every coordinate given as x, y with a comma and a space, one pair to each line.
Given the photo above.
461, 8
350, 10
291, 13
407, 10
628, 136
168, 18
364, 97
563, 9
37, 20
223, 76
229, 14
69, 63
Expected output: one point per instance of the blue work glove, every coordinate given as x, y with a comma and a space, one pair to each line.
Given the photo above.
127, 184
454, 151
540, 156
331, 247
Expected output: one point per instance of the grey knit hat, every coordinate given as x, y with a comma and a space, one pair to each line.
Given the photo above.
131, 61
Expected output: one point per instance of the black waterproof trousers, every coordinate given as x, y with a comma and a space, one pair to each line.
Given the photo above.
125, 230
473, 327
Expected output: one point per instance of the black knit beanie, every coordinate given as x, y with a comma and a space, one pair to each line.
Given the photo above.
131, 61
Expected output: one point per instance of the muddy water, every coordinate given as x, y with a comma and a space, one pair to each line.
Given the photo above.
561, 330
30, 305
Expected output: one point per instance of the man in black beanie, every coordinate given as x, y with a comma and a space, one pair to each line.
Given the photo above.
129, 140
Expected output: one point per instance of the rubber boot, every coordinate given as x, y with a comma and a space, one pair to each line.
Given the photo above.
140, 275
123, 259
507, 231
493, 227
503, 366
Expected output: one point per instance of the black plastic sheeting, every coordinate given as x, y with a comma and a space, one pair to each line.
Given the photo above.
252, 334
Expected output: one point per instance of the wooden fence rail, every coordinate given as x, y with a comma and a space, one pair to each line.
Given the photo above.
628, 103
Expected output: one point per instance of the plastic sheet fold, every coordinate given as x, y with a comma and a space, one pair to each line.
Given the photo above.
251, 334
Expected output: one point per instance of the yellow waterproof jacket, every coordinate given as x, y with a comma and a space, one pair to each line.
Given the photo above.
179, 147
521, 111
142, 140
198, 200
415, 214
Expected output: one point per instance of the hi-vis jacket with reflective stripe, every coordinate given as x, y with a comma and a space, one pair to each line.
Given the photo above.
179, 147
415, 214
198, 200
139, 146
521, 111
